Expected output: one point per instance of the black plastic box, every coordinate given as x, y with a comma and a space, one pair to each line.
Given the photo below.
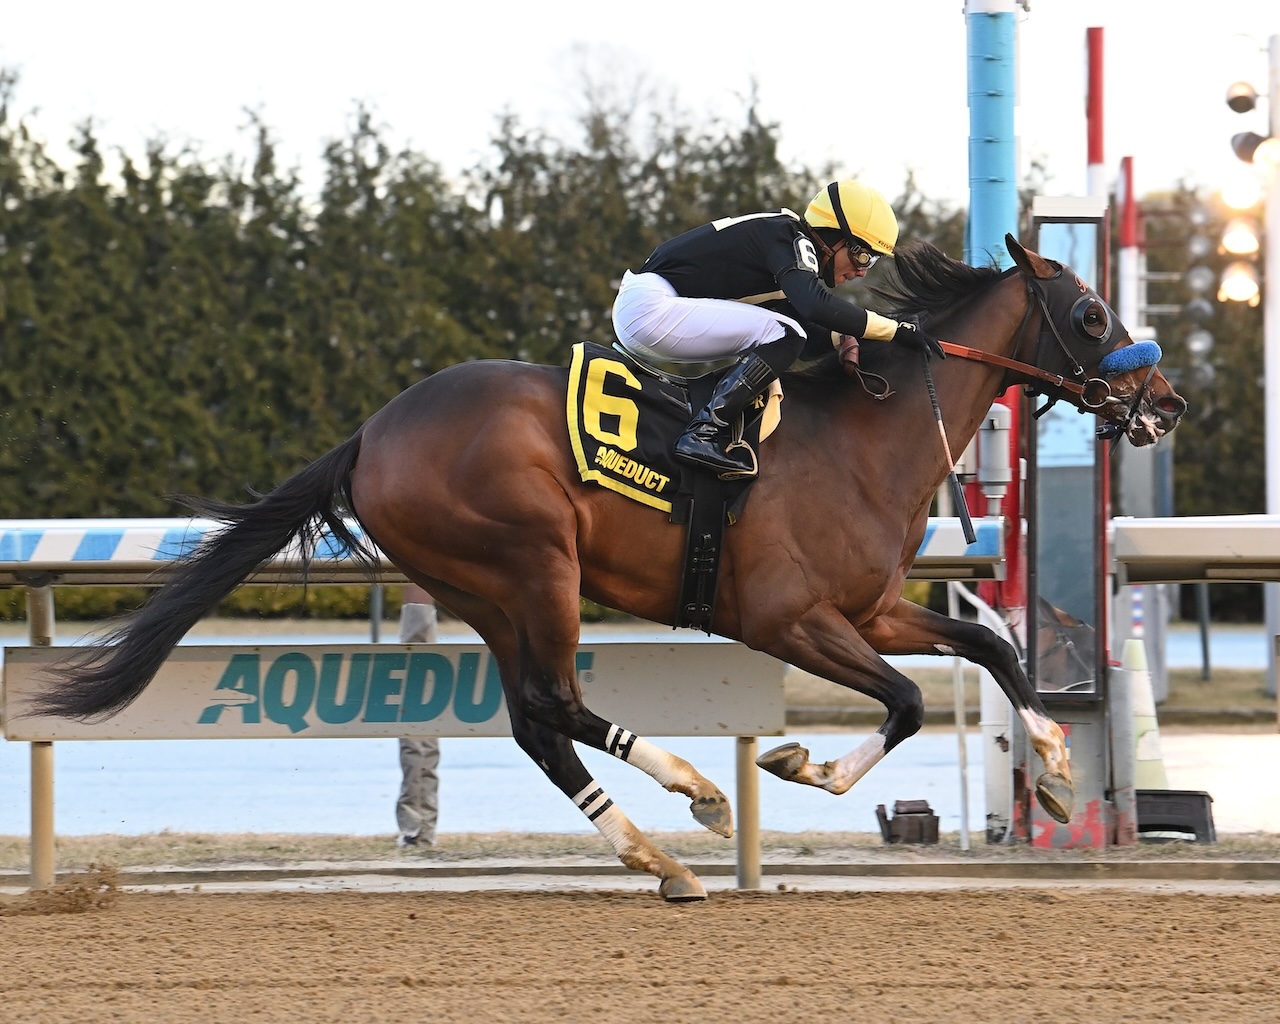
1176, 810
913, 821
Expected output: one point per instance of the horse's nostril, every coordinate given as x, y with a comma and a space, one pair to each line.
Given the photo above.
1171, 406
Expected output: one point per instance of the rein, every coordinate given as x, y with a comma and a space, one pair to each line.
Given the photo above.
1056, 380
1094, 392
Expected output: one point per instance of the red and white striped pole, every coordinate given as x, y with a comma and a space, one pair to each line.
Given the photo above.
1128, 265
1097, 183
1128, 273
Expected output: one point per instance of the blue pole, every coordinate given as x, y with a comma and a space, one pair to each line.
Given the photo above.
993, 210
993, 156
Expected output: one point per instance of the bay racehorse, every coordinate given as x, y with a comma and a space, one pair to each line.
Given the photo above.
466, 482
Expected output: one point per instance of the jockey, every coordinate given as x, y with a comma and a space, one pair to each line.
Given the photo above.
744, 286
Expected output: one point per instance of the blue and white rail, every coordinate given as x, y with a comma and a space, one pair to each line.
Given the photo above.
84, 552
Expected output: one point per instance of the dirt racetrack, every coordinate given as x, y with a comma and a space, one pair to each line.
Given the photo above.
528, 957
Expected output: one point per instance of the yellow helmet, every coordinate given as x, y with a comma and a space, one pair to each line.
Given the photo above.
857, 210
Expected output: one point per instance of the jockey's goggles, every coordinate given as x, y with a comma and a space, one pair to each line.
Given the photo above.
862, 259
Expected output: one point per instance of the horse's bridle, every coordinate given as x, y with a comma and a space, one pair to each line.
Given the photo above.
1094, 393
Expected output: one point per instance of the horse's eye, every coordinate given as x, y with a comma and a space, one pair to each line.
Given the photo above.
1092, 320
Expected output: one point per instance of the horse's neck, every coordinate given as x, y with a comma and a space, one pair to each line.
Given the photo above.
966, 389
897, 450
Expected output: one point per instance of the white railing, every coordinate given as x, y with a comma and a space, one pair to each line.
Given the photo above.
1196, 549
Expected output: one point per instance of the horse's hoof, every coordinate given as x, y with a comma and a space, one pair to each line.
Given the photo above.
715, 813
1056, 797
682, 889
784, 761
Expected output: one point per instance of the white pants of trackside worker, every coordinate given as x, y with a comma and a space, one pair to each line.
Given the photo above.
418, 805
653, 322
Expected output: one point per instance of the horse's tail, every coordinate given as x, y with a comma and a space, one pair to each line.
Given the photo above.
109, 675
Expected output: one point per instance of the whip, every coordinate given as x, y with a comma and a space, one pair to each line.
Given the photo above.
957, 492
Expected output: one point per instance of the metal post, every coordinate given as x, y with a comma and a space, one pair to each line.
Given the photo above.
1271, 343
993, 158
40, 634
1202, 616
1097, 170
748, 813
962, 752
1137, 469
376, 595
997, 448
946, 508
991, 32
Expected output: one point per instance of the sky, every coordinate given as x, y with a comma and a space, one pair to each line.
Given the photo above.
876, 89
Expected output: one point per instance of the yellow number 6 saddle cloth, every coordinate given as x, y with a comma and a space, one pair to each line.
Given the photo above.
624, 417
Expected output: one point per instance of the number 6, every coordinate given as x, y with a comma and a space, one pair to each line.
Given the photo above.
807, 256
596, 404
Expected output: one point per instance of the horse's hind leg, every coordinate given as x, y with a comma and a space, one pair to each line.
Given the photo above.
548, 693
910, 629
554, 754
709, 806
824, 643
571, 717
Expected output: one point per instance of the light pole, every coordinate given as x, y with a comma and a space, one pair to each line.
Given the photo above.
1264, 153
1271, 327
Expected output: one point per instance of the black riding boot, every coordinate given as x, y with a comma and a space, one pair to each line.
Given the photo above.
706, 440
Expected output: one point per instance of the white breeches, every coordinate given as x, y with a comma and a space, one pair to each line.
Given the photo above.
652, 321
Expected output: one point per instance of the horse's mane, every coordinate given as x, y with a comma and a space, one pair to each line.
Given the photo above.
922, 283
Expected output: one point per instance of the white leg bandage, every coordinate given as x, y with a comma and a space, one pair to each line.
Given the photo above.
855, 764
601, 811
674, 773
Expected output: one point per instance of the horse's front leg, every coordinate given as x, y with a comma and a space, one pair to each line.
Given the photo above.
910, 629
823, 643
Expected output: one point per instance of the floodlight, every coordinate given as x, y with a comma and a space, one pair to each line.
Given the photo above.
1239, 284
1268, 154
1240, 237
1198, 310
1200, 279
1199, 343
1242, 97
1245, 145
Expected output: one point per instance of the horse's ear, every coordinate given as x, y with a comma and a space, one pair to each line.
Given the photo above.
1030, 263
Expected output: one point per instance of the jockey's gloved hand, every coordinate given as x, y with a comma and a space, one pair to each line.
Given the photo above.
914, 336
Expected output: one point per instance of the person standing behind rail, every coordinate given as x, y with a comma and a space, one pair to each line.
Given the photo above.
418, 806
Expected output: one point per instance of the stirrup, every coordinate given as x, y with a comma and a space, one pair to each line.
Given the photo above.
713, 459
742, 474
